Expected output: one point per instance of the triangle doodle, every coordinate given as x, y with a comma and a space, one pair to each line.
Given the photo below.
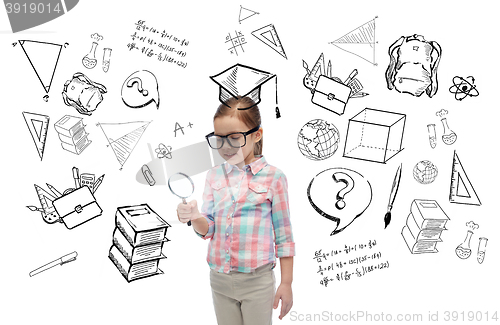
269, 36
43, 58
123, 137
360, 42
461, 189
38, 126
246, 13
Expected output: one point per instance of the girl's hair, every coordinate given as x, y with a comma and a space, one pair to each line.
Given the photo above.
251, 116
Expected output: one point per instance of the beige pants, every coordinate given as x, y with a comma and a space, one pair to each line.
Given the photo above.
244, 298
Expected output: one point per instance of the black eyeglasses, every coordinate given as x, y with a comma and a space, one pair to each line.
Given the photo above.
235, 140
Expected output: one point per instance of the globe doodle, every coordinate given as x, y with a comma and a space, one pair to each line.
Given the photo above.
318, 139
425, 172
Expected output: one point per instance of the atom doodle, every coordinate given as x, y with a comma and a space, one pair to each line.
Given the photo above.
463, 87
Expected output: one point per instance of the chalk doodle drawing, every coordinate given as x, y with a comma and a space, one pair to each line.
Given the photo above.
424, 226
245, 13
464, 87
38, 126
141, 89
236, 42
413, 66
43, 57
360, 41
269, 36
353, 196
318, 139
123, 137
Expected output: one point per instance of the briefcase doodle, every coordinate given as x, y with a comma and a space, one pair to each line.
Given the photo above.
77, 207
74, 206
331, 94
328, 91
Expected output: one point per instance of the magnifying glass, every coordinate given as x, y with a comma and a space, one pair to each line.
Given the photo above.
182, 186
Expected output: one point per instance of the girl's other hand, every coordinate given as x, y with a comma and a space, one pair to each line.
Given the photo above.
187, 212
284, 293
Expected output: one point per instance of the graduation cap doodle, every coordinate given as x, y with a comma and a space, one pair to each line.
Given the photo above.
243, 81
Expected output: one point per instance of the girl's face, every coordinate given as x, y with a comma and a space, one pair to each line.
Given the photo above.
236, 156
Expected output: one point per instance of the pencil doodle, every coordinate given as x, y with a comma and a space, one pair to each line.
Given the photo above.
392, 197
328, 91
163, 151
71, 132
43, 57
140, 89
481, 249
353, 196
181, 128
73, 206
431, 130
424, 226
360, 41
38, 126
123, 137
96, 37
413, 66
425, 172
236, 42
449, 137
242, 81
245, 14
60, 261
106, 59
374, 135
83, 94
318, 139
269, 36
464, 87
89, 61
138, 240
461, 189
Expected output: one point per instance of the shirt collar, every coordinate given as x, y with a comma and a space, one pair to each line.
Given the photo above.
254, 166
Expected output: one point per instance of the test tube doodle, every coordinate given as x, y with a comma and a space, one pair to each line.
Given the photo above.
481, 250
431, 129
106, 59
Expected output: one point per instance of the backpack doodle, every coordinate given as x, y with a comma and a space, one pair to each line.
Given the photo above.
413, 66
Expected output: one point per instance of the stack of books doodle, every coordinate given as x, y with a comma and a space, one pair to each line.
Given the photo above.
72, 134
138, 241
424, 226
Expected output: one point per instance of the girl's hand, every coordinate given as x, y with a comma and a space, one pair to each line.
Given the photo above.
187, 212
284, 293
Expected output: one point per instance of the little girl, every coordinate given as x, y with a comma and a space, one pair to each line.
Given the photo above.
245, 215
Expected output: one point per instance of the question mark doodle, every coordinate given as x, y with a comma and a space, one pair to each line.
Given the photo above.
349, 185
138, 81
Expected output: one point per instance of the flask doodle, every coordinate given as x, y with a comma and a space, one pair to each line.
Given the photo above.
140, 89
349, 185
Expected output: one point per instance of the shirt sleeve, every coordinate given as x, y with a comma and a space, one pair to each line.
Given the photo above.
284, 244
207, 209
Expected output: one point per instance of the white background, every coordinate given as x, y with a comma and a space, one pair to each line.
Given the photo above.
91, 290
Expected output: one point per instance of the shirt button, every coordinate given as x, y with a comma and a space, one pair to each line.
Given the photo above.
227, 251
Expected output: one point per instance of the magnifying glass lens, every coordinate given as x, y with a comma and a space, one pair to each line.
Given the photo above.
180, 185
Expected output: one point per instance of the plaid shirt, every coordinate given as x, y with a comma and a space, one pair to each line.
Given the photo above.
252, 229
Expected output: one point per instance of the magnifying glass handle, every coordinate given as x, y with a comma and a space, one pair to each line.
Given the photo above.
184, 201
